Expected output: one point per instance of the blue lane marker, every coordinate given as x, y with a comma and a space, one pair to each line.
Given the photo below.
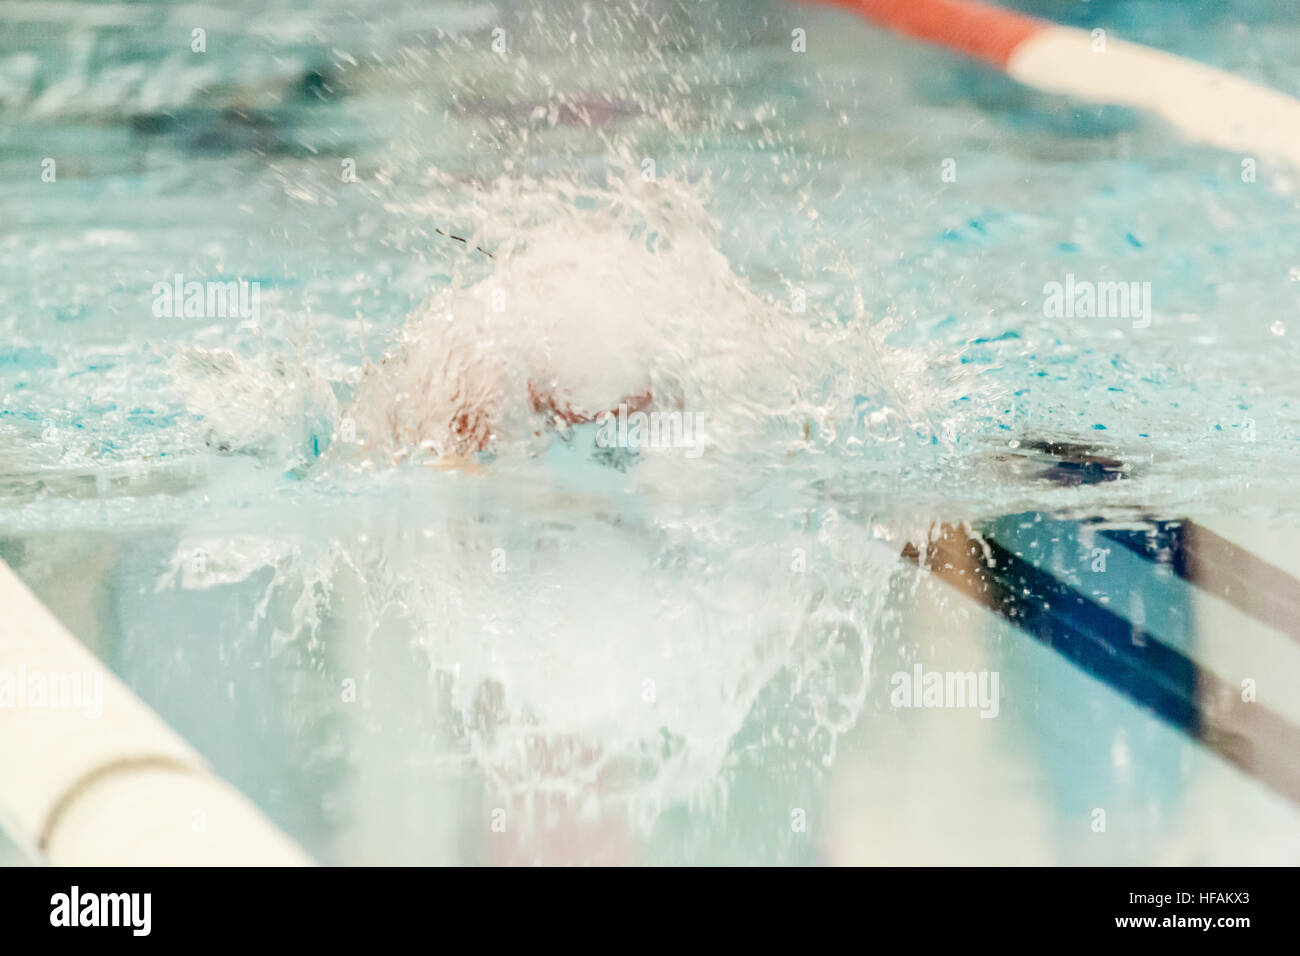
1132, 660
1219, 567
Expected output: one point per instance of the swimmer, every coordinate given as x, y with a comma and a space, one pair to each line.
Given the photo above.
448, 401
472, 375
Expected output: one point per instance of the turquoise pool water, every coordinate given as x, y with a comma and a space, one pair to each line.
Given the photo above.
837, 258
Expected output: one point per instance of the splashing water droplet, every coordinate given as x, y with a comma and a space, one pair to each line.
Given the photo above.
1277, 328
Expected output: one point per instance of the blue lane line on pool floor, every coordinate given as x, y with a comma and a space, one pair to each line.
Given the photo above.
1221, 568
1130, 659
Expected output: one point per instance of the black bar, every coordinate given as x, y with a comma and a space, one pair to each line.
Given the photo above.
986, 909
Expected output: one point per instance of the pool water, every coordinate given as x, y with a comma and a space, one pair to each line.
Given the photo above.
837, 259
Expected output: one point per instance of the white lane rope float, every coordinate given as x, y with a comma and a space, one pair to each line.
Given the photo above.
108, 784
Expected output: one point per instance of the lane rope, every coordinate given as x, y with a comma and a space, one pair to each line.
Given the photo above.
1205, 104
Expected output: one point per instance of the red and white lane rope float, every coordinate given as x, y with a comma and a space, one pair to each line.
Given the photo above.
1205, 104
